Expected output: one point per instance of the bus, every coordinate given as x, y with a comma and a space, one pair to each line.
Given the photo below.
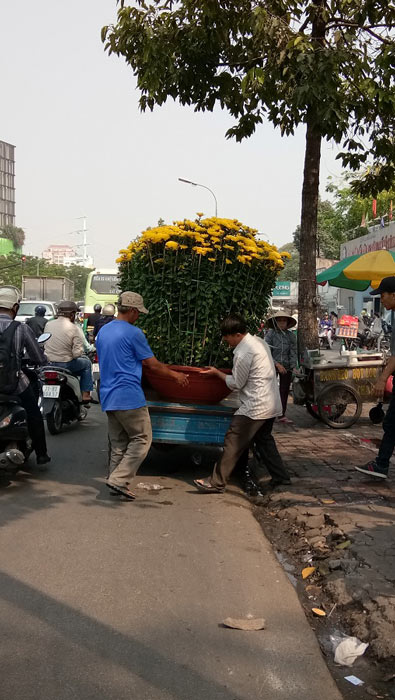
101, 288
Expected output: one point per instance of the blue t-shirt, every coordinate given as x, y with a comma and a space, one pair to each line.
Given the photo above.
121, 348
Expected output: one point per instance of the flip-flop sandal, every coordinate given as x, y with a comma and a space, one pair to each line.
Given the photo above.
122, 491
205, 486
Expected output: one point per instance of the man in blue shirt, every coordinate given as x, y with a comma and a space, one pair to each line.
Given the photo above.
122, 349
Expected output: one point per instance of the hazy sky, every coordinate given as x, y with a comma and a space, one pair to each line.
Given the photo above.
83, 147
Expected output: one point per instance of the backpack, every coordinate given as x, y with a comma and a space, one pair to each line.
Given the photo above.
9, 362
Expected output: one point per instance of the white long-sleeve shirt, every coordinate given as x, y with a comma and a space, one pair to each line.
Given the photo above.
254, 375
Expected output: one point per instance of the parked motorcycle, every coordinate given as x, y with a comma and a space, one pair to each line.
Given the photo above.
61, 402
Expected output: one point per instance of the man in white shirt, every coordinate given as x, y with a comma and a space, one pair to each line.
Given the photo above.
254, 375
65, 348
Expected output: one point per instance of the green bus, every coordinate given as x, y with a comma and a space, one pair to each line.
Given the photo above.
101, 288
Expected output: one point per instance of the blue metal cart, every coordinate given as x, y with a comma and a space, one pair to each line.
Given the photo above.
190, 424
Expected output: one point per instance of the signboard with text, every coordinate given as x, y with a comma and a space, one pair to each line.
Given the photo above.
282, 289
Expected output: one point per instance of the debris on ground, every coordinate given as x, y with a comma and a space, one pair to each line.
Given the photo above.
354, 680
249, 624
347, 649
149, 487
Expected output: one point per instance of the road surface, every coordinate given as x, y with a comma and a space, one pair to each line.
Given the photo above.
110, 600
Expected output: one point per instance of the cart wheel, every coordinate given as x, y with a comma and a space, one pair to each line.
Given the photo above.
339, 405
312, 408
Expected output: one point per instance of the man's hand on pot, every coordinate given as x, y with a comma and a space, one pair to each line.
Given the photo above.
211, 371
181, 378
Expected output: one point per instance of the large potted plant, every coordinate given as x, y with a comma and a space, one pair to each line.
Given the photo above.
192, 274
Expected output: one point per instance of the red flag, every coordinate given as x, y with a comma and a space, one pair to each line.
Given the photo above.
390, 211
363, 221
374, 207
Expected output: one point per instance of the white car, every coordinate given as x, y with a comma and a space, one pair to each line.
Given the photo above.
26, 310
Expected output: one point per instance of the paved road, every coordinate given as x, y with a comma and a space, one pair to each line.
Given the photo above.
103, 600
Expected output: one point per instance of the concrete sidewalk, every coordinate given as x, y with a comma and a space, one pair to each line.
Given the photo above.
341, 521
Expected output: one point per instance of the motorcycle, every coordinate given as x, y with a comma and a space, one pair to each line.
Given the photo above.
324, 337
96, 374
61, 402
15, 443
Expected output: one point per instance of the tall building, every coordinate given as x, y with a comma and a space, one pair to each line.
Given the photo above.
7, 184
56, 254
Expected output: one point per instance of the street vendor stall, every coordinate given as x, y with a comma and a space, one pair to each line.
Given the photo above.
333, 390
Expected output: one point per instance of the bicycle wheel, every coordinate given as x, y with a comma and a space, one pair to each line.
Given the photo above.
312, 408
339, 405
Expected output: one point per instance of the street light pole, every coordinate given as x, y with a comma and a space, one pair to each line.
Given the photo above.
197, 184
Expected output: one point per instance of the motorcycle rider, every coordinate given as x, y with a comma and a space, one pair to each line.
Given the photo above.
37, 322
92, 318
108, 315
24, 341
65, 348
326, 327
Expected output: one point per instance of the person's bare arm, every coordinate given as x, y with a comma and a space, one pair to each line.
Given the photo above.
165, 371
382, 380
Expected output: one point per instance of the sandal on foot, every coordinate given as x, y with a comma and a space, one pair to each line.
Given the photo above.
205, 486
122, 491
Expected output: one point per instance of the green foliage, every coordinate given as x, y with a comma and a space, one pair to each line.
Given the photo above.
329, 64
191, 275
14, 234
13, 267
341, 220
290, 271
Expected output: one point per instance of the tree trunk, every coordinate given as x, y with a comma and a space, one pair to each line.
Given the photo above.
307, 322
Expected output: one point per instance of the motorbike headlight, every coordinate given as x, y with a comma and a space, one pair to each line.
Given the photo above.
5, 422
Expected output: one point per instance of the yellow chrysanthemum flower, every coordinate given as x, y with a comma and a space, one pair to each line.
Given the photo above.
173, 245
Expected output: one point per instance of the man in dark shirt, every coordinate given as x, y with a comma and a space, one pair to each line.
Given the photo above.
37, 322
24, 340
93, 318
107, 316
379, 467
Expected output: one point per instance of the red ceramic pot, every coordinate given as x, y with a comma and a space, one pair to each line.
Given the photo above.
202, 388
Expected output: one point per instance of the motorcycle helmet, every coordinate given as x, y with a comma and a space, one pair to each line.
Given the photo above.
108, 310
40, 310
66, 308
376, 414
97, 308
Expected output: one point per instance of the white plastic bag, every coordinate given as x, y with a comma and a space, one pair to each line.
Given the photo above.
347, 649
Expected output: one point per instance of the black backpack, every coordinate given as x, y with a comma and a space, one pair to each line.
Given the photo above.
9, 362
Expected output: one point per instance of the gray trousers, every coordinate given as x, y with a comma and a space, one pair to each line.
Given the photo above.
130, 436
241, 433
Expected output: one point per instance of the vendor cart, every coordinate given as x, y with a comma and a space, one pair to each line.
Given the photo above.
333, 390
189, 424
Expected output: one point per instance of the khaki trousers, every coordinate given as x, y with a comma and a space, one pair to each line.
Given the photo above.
130, 436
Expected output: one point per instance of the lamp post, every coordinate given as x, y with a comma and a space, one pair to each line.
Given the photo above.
197, 184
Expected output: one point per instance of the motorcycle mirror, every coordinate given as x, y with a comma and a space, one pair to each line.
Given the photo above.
44, 337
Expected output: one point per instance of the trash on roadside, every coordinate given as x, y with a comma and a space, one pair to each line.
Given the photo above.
347, 649
354, 680
318, 612
149, 487
248, 624
327, 501
307, 571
